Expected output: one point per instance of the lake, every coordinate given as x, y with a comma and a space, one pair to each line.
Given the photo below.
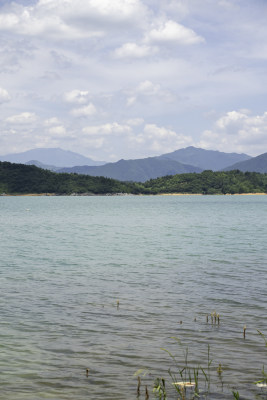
104, 283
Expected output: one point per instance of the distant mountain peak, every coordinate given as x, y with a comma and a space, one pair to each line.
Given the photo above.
205, 159
255, 164
139, 170
54, 156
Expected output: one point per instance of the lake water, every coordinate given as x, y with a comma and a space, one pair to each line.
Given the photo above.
169, 260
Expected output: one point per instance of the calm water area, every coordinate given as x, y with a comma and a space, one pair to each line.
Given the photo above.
169, 260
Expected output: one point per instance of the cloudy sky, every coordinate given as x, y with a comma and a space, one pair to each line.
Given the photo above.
115, 79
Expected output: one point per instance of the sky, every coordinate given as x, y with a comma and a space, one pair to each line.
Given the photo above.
114, 79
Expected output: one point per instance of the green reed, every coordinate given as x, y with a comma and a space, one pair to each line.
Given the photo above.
191, 382
185, 380
262, 382
236, 395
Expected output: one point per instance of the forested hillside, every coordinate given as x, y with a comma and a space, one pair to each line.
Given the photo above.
19, 178
25, 179
209, 182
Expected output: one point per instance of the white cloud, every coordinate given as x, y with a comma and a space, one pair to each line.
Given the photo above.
100, 13
163, 32
51, 121
160, 139
231, 121
71, 19
130, 101
146, 89
58, 131
117, 10
4, 96
138, 140
105, 135
132, 50
107, 129
153, 131
23, 118
26, 21
170, 31
237, 131
76, 96
86, 111
131, 58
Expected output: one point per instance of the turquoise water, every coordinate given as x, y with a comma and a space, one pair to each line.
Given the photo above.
65, 261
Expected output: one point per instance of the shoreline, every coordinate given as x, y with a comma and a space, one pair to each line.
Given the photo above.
215, 194
126, 194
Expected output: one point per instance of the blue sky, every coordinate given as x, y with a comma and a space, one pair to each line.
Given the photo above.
115, 79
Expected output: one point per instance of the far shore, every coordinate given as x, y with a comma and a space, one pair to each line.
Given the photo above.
128, 194
215, 194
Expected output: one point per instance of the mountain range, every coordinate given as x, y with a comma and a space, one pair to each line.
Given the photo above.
136, 170
206, 159
190, 159
50, 158
255, 164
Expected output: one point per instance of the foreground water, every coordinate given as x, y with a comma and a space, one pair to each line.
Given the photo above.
66, 261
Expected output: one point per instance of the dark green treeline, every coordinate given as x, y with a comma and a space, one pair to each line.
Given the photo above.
25, 179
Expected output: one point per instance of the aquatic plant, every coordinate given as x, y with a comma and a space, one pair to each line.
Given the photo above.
191, 382
186, 379
262, 383
160, 389
214, 318
244, 331
236, 395
138, 386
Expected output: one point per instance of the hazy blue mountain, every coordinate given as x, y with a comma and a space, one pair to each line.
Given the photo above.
255, 164
41, 165
205, 159
139, 170
51, 156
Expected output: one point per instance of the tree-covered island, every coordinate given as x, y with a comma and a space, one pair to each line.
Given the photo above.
16, 179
